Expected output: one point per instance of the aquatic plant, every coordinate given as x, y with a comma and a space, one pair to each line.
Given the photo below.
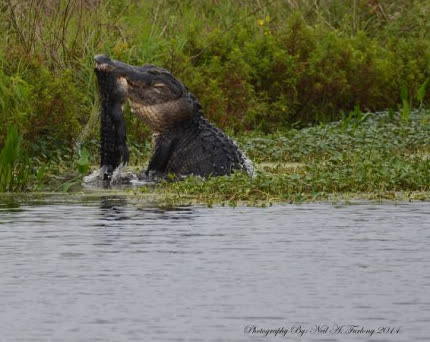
83, 163
13, 163
405, 110
8, 158
421, 94
373, 158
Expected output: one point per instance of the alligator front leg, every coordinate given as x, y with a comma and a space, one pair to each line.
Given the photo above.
162, 153
120, 131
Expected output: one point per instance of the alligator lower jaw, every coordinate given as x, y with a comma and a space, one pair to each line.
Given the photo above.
122, 83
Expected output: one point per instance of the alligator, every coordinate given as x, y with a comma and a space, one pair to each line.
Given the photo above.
185, 143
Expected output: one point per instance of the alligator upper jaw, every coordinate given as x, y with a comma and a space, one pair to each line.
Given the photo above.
122, 70
100, 59
105, 63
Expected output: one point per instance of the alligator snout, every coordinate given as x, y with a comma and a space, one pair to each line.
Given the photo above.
101, 59
104, 63
122, 70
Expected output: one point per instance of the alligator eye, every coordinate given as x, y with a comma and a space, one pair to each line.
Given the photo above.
158, 85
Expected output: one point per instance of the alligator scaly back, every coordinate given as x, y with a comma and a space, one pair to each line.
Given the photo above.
204, 149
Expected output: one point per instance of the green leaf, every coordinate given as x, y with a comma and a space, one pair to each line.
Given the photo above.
83, 163
422, 90
9, 157
404, 92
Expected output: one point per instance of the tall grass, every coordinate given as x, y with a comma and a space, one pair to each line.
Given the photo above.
9, 157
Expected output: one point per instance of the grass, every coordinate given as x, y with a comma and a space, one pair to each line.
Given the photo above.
8, 159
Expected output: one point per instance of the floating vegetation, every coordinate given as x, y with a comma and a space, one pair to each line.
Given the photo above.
377, 158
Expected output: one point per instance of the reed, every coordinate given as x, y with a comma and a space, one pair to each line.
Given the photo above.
9, 157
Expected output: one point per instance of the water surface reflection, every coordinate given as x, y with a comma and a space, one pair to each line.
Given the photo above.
112, 269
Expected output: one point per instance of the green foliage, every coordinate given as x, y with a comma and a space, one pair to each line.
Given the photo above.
421, 93
373, 158
380, 131
355, 118
14, 164
405, 112
41, 103
19, 172
8, 159
83, 163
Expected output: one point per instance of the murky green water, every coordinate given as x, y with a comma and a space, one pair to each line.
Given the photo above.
111, 269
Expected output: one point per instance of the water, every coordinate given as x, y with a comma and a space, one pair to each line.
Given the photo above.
112, 269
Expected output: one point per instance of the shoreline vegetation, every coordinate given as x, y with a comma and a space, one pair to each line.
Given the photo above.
375, 156
329, 98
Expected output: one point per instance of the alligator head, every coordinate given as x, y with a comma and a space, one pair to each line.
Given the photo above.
155, 96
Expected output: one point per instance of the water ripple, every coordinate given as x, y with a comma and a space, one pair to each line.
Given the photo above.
111, 269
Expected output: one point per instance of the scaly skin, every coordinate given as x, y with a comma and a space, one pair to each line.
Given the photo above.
185, 142
196, 147
113, 132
